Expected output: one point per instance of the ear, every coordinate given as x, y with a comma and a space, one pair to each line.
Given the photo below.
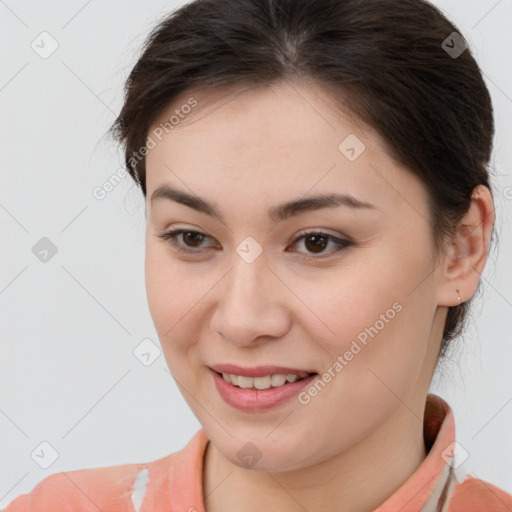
467, 252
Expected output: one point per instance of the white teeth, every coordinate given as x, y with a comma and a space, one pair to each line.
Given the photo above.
278, 380
245, 382
262, 382
259, 382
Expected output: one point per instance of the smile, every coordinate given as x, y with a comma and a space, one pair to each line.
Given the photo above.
266, 382
251, 394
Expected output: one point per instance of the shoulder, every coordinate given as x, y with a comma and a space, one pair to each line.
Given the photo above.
475, 495
108, 488
122, 487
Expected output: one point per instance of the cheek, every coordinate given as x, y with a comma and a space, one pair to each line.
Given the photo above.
368, 359
366, 314
342, 303
176, 298
160, 287
170, 294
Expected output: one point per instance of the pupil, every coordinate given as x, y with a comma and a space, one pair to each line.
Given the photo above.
316, 245
193, 235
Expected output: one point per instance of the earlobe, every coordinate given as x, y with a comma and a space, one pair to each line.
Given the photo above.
467, 254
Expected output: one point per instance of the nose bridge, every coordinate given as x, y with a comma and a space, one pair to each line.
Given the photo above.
247, 306
247, 286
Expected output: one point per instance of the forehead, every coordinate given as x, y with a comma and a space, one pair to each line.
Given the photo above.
286, 102
286, 119
271, 140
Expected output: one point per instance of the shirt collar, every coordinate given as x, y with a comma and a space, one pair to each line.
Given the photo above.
427, 486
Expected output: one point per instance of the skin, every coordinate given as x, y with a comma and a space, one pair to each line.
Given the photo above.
247, 151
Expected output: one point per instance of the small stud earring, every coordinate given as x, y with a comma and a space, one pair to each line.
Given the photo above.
458, 296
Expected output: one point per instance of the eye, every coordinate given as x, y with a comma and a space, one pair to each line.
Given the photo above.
314, 241
317, 241
194, 237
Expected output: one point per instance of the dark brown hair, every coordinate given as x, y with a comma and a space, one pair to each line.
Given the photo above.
386, 60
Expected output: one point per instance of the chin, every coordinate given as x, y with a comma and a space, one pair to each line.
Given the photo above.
259, 453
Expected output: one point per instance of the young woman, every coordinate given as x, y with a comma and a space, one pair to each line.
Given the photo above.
319, 214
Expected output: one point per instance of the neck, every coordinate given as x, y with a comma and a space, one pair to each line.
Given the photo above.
382, 462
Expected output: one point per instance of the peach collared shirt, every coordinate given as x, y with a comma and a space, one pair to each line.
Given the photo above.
174, 483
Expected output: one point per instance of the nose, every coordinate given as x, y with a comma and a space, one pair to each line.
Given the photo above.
251, 304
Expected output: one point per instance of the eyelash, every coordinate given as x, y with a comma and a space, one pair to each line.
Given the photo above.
170, 237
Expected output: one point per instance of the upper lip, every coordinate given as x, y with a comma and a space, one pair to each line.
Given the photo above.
259, 371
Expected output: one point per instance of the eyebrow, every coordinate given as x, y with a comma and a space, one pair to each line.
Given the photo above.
275, 214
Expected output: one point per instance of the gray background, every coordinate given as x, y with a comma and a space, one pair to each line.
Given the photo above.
70, 325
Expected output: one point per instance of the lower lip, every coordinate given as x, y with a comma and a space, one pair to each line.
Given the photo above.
258, 399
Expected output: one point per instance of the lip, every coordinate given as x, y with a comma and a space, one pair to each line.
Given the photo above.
259, 371
251, 400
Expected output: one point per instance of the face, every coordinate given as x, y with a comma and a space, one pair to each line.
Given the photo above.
345, 290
